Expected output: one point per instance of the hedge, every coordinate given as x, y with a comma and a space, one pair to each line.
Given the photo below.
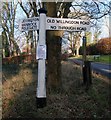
103, 46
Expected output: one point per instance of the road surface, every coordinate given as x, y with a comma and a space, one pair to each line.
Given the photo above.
101, 68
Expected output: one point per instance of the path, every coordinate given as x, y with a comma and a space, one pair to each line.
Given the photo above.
101, 68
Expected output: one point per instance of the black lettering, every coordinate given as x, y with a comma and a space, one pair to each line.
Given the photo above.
53, 21
53, 27
67, 28
67, 21
81, 28
58, 21
84, 22
48, 21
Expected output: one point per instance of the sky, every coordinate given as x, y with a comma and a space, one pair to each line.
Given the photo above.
105, 27
104, 22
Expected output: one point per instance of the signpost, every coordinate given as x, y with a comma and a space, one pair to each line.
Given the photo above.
67, 24
55, 24
29, 24
43, 23
41, 56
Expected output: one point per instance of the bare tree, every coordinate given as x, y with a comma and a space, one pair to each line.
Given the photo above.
74, 40
91, 10
30, 9
8, 22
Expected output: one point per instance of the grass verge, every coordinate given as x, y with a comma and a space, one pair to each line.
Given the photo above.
102, 58
19, 93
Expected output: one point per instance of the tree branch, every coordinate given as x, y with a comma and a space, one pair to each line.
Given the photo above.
24, 9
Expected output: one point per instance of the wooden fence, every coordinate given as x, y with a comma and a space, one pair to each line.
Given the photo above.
19, 59
28, 58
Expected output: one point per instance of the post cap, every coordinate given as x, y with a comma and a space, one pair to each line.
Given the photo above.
42, 10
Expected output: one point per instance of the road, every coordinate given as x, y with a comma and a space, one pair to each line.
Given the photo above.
101, 68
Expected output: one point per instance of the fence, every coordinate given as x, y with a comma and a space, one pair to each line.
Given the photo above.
19, 59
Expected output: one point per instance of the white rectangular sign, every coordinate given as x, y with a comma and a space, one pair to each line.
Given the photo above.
41, 52
67, 24
56, 24
29, 24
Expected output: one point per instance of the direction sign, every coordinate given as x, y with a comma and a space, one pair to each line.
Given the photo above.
29, 24
67, 24
56, 24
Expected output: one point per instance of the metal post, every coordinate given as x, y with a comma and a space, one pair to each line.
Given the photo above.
41, 56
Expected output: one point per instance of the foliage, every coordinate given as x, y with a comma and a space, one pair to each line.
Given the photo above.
104, 46
91, 49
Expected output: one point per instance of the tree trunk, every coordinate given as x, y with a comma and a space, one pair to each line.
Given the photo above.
77, 52
54, 61
54, 53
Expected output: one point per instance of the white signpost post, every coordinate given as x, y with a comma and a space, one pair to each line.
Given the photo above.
41, 56
43, 23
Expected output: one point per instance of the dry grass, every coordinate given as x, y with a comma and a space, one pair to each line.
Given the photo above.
19, 95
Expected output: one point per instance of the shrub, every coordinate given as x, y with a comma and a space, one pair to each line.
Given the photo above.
104, 46
92, 49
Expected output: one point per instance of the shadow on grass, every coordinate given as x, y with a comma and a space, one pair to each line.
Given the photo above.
9, 70
19, 90
72, 102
